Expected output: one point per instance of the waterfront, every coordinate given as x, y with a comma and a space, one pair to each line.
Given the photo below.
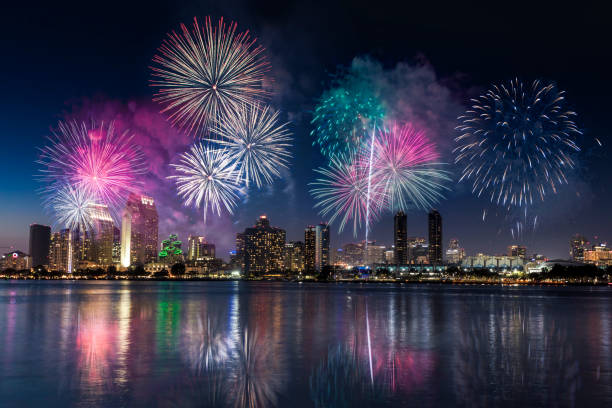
120, 343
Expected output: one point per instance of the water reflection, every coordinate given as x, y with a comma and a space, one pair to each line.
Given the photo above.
229, 344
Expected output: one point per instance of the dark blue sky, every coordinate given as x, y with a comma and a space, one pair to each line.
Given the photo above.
55, 56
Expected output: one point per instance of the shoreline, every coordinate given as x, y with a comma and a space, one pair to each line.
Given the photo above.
311, 281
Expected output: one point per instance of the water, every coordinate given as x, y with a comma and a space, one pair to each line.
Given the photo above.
181, 344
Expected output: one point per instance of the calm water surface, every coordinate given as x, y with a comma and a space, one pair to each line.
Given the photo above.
201, 344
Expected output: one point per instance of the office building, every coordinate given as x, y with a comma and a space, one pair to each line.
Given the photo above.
310, 245
517, 250
60, 258
40, 240
262, 248
139, 231
435, 237
374, 254
198, 249
454, 253
116, 245
400, 235
321, 246
294, 256
99, 240
578, 244
418, 251
350, 255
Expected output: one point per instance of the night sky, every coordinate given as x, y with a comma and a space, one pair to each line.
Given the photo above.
92, 58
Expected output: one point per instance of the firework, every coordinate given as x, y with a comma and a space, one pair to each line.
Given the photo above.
207, 72
342, 193
94, 160
517, 143
344, 117
72, 208
207, 178
256, 142
404, 166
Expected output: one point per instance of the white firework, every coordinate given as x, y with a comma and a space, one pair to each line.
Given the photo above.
207, 178
72, 207
257, 142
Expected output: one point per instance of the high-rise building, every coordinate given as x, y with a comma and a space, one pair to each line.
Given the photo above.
116, 245
139, 230
199, 249
15, 260
294, 256
59, 251
517, 250
171, 250
310, 248
40, 239
263, 248
418, 251
578, 244
350, 255
321, 246
435, 237
100, 238
374, 254
400, 235
454, 253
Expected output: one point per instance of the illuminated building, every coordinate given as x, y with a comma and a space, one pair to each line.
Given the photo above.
15, 260
350, 255
390, 256
600, 255
454, 253
116, 245
578, 244
374, 254
40, 239
418, 251
198, 249
435, 237
480, 261
517, 250
400, 238
139, 231
263, 248
310, 245
294, 256
99, 249
171, 251
321, 246
59, 251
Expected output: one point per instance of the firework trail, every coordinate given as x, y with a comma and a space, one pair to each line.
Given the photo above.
344, 116
95, 160
517, 143
256, 142
205, 73
207, 178
405, 165
342, 193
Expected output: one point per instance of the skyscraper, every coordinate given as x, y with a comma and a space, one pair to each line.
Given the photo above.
263, 248
578, 245
454, 253
139, 230
310, 245
400, 235
517, 250
100, 249
40, 239
59, 251
435, 237
199, 249
321, 246
294, 256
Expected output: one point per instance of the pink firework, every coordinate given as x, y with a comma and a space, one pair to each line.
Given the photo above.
405, 167
94, 159
341, 192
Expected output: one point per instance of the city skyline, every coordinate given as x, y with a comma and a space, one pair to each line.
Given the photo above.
124, 95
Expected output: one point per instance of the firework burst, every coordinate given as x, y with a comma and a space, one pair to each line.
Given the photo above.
206, 73
342, 193
94, 160
344, 117
404, 166
256, 142
72, 208
207, 178
517, 143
